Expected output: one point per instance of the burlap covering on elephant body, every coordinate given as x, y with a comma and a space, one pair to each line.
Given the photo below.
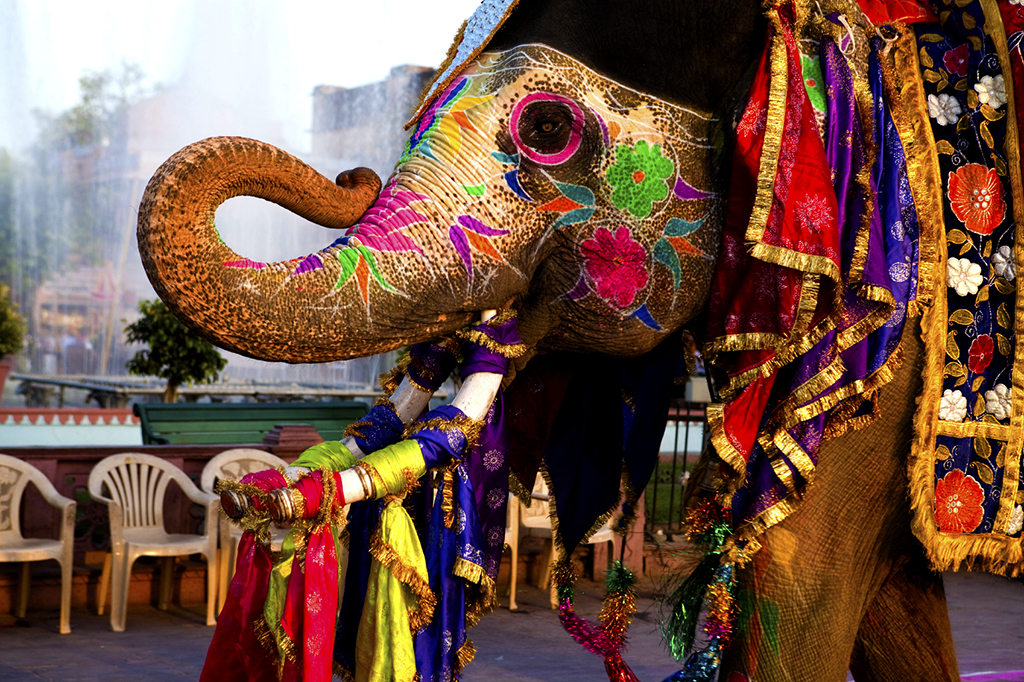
918, 143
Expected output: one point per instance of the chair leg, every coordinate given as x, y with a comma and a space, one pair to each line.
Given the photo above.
166, 582
211, 583
65, 596
546, 557
23, 589
101, 597
513, 574
121, 578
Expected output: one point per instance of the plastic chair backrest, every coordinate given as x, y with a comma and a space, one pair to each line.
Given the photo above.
538, 514
15, 475
236, 463
137, 483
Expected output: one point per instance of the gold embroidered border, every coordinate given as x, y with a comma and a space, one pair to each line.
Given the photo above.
905, 90
1012, 462
947, 551
517, 488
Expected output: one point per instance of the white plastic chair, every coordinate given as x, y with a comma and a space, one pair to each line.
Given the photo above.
15, 476
536, 519
234, 464
136, 485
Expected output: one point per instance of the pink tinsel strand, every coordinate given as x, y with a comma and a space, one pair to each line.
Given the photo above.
590, 636
617, 669
721, 630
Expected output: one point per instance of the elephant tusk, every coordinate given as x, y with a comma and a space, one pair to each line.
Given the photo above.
474, 399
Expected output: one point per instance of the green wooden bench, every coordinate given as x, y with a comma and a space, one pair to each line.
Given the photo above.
232, 423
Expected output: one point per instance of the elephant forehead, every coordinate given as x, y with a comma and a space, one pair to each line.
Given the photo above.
515, 74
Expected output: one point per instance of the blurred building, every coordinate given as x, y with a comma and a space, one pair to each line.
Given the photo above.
366, 124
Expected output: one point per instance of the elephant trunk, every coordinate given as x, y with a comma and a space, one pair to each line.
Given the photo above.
314, 309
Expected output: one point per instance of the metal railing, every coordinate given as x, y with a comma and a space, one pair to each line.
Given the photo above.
685, 435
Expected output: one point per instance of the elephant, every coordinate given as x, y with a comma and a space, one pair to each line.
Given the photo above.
577, 164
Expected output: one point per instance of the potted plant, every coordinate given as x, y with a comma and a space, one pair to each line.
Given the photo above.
175, 352
12, 333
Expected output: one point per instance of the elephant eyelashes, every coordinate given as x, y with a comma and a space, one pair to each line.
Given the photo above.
547, 128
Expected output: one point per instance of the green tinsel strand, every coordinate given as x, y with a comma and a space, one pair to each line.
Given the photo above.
618, 578
680, 628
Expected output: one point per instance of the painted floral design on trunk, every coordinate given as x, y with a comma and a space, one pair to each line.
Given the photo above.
616, 264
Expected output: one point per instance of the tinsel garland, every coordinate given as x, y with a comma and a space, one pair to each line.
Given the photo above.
608, 638
712, 584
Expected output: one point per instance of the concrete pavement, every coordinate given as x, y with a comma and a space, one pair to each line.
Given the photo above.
987, 614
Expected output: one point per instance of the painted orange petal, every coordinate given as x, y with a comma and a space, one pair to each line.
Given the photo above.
483, 245
682, 246
561, 204
463, 120
613, 130
363, 277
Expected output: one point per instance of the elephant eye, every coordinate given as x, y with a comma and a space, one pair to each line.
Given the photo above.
547, 128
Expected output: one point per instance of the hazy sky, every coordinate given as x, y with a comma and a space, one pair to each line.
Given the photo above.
259, 54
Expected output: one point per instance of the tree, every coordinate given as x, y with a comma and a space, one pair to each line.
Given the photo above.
175, 353
12, 325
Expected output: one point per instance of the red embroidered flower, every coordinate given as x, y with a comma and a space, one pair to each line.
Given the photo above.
958, 501
616, 264
976, 197
980, 355
956, 60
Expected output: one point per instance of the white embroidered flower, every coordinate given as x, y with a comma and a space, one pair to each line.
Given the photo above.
953, 406
997, 402
944, 109
963, 275
1017, 517
1002, 261
991, 91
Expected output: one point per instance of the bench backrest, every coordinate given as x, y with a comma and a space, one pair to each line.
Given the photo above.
232, 423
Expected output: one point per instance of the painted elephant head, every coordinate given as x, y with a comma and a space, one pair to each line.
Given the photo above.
529, 176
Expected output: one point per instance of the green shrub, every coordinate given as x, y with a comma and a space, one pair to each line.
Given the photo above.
175, 352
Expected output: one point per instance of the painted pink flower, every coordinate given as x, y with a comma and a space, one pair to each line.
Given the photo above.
956, 60
617, 265
980, 354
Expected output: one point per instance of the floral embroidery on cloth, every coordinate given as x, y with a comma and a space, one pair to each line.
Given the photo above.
966, 465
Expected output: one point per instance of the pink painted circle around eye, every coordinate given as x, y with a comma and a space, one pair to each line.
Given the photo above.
575, 134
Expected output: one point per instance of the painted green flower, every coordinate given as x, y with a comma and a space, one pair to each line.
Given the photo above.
638, 177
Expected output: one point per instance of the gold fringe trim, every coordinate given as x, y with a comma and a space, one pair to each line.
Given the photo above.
557, 543
909, 109
407, 575
448, 495
390, 380
503, 316
509, 351
769, 163
517, 488
464, 656
1011, 468
487, 599
469, 428
342, 672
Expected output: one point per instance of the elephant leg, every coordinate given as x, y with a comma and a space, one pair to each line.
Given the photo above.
803, 597
908, 614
